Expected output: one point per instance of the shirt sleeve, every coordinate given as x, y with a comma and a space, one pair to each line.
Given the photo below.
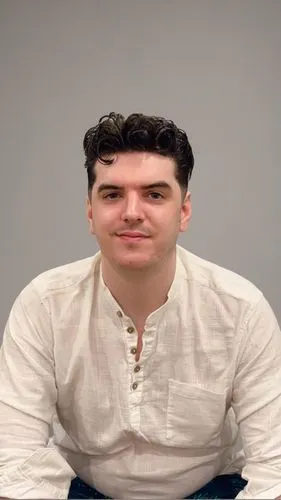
256, 402
28, 467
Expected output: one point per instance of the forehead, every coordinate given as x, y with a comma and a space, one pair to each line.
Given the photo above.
136, 167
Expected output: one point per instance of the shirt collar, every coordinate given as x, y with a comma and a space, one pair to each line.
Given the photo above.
173, 293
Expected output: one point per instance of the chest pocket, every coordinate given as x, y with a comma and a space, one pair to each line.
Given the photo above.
195, 416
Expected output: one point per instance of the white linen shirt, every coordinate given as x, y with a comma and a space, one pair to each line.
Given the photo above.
159, 428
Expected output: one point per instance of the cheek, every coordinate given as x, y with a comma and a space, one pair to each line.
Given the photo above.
171, 219
104, 221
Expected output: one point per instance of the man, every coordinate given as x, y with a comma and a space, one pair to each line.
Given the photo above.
144, 359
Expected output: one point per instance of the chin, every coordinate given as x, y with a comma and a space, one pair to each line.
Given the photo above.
135, 262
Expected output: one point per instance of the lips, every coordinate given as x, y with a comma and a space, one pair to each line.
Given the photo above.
132, 234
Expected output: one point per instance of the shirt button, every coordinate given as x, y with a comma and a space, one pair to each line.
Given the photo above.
137, 368
119, 313
130, 329
133, 350
134, 386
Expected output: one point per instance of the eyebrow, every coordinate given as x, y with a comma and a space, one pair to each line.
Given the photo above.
159, 184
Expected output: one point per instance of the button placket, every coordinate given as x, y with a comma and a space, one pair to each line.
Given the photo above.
137, 375
135, 367
131, 340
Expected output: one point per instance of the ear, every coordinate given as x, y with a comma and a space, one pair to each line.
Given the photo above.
89, 212
186, 212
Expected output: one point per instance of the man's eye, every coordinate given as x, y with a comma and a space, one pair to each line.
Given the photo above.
111, 196
156, 196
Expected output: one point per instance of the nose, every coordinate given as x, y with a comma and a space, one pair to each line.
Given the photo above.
132, 210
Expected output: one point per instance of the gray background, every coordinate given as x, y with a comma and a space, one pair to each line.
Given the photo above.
212, 66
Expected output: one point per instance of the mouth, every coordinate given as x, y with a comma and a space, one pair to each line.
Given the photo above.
132, 236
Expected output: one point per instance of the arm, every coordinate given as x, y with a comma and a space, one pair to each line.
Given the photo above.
28, 467
257, 403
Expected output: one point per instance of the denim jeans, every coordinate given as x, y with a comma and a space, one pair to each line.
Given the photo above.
224, 486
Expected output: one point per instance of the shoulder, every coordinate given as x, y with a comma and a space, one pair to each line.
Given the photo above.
63, 278
216, 280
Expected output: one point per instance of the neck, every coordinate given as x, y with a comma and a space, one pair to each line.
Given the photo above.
139, 292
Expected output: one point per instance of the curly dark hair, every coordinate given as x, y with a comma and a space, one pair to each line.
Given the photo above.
139, 132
